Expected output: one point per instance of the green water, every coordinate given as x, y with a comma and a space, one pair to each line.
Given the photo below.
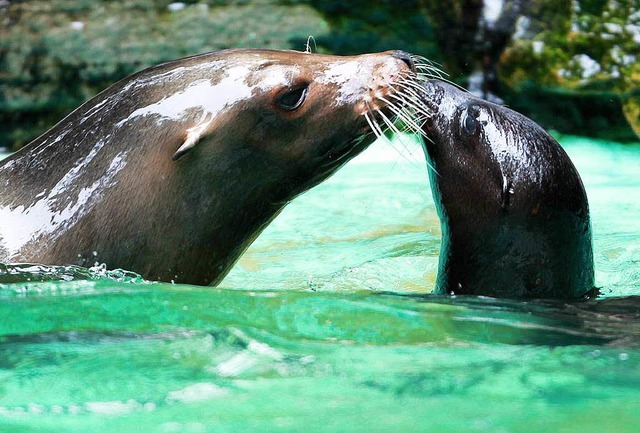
324, 326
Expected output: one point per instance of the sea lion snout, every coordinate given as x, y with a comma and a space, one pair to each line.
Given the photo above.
441, 97
432, 93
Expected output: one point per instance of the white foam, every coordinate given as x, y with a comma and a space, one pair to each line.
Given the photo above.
112, 408
197, 392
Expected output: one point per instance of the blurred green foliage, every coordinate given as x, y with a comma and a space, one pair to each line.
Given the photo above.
359, 26
579, 65
606, 32
56, 54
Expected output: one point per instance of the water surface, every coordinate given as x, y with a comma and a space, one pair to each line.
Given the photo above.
326, 325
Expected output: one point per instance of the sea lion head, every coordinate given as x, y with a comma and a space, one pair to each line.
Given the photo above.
513, 209
300, 115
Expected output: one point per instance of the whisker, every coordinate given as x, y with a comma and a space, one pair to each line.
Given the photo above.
404, 117
421, 61
412, 85
399, 137
427, 69
406, 109
411, 90
411, 103
388, 122
402, 139
430, 70
375, 129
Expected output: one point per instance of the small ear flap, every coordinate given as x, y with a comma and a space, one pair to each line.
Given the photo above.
188, 144
193, 136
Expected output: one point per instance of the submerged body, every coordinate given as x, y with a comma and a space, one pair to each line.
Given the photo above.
513, 209
174, 171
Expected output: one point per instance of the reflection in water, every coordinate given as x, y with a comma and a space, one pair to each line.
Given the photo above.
613, 322
326, 325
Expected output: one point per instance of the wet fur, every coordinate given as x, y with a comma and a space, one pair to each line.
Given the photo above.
138, 192
513, 209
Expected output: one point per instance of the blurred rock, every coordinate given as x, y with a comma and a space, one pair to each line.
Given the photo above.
581, 50
56, 54
570, 65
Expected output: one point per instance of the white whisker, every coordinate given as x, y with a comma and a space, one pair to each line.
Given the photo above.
388, 122
399, 137
404, 117
375, 128
409, 89
427, 69
412, 104
413, 85
412, 100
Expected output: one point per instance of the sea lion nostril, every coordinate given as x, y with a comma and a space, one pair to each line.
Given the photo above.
405, 57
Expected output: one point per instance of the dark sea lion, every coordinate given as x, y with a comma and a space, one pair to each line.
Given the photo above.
513, 209
174, 171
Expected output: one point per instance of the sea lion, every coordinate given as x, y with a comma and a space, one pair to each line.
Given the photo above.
513, 209
175, 170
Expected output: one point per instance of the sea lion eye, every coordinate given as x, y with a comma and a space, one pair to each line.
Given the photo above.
469, 123
293, 99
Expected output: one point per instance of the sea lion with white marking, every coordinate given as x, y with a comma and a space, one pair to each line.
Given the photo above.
174, 171
512, 207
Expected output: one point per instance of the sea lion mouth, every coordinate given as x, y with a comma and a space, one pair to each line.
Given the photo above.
406, 107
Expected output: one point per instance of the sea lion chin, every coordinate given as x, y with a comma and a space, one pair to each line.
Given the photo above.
513, 209
174, 171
